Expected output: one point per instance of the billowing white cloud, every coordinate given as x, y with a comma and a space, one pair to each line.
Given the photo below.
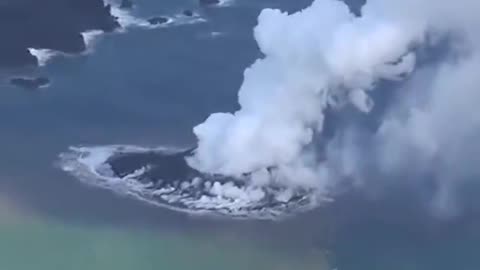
326, 56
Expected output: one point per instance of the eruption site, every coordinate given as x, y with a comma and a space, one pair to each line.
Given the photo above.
264, 160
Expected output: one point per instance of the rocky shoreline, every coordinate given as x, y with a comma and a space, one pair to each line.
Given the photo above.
50, 24
58, 26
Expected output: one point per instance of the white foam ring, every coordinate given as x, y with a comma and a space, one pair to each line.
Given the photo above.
128, 20
89, 165
178, 20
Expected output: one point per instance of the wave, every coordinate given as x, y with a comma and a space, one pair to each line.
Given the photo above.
127, 21
90, 38
46, 55
43, 55
226, 3
186, 190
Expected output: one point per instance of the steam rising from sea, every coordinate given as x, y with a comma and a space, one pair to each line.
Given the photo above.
326, 58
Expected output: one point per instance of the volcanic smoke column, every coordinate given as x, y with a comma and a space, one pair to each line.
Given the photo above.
321, 56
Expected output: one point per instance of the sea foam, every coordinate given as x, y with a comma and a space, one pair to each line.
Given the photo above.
197, 195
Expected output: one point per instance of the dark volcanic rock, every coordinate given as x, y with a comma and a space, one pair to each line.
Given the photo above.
166, 178
11, 56
157, 20
161, 166
30, 83
188, 13
48, 24
209, 2
126, 4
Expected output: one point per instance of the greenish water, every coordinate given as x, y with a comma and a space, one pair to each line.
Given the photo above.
29, 242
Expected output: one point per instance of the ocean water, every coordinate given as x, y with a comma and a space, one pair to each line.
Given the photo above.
144, 87
149, 87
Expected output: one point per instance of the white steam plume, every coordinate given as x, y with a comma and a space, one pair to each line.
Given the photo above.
323, 55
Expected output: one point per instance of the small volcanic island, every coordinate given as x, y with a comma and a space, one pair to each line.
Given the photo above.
30, 83
164, 178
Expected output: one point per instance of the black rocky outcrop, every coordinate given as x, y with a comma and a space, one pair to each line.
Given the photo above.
157, 20
188, 13
48, 24
30, 83
209, 2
